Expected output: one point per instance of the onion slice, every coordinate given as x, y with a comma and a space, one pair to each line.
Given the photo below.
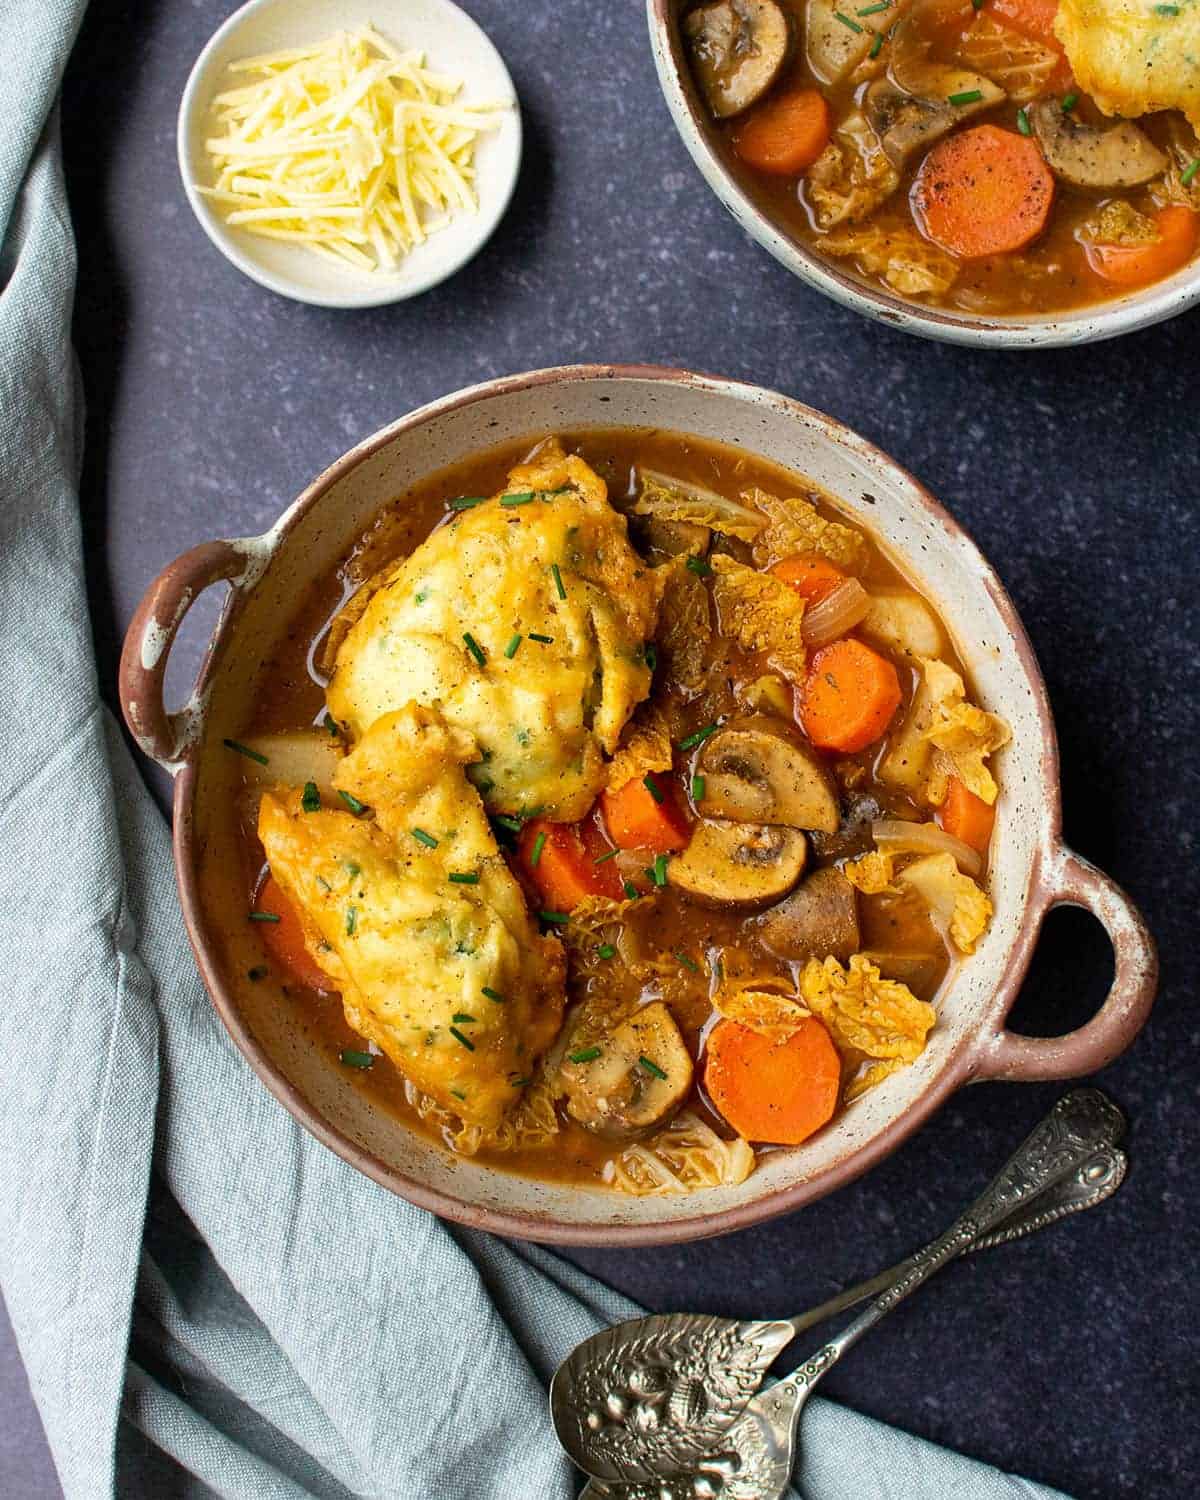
840, 611
924, 838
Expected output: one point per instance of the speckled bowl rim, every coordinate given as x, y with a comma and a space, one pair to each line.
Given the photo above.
1105, 320
986, 1051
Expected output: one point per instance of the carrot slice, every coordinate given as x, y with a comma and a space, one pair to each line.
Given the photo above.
284, 940
1137, 265
813, 577
786, 135
557, 860
849, 696
771, 1090
1032, 18
985, 191
638, 819
967, 816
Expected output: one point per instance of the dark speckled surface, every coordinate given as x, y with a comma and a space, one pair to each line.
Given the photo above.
1073, 1357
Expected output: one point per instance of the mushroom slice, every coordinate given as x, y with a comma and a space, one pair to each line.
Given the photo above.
738, 864
756, 772
1094, 156
912, 108
819, 919
633, 1078
738, 48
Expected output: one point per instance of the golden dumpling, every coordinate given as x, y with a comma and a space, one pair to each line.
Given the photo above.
413, 913
1133, 56
457, 626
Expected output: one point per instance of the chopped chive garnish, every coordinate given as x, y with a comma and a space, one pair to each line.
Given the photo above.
1069, 103
264, 916
589, 1054
650, 655
1188, 175
652, 1067
631, 891
311, 800
968, 96
519, 1083
330, 723
877, 44
425, 838
652, 786
355, 806
352, 868
464, 1040
461, 1018
556, 918
512, 824
474, 648
873, 10
323, 883
545, 640
522, 497
698, 737
846, 21
1167, 10
659, 873
469, 877
259, 971
1023, 124
465, 502
558, 583
354, 1059
351, 920
458, 1094
977, 4
688, 963
246, 751
603, 859
511, 649
697, 565
491, 994
535, 853
606, 950
699, 786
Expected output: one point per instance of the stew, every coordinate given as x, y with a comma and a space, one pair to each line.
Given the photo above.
618, 809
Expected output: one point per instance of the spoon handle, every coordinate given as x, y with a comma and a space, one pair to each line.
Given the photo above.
1096, 1180
1079, 1126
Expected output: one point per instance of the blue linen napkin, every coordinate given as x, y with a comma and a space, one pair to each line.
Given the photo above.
209, 1302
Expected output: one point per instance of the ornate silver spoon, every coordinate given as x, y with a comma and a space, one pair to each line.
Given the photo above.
656, 1397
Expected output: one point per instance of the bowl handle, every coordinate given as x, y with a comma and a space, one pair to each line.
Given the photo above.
1066, 879
163, 736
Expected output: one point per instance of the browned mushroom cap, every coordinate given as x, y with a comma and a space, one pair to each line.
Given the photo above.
755, 771
1094, 156
738, 48
921, 99
632, 1079
818, 920
738, 864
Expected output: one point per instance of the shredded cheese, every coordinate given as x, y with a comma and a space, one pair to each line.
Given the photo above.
349, 147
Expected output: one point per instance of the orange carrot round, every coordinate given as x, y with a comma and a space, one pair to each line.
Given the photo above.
560, 865
812, 576
284, 940
1032, 18
967, 816
849, 696
637, 818
1137, 265
985, 191
777, 1091
785, 135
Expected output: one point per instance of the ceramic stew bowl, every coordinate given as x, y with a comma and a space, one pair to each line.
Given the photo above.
1032, 870
1086, 325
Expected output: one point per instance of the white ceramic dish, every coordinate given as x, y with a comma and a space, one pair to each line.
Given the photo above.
452, 42
1085, 325
1032, 871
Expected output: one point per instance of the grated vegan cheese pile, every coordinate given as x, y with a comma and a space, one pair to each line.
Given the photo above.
348, 147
